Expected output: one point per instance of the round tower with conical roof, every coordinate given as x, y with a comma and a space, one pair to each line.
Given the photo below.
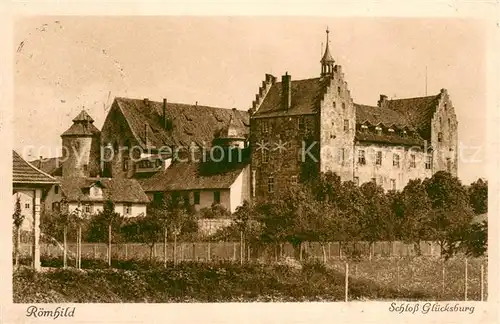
81, 148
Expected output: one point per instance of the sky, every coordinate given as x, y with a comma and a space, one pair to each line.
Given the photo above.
66, 63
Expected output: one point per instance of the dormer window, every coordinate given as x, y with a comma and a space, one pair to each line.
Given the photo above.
390, 130
378, 129
364, 128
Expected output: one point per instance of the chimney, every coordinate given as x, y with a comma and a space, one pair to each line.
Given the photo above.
165, 113
145, 134
382, 101
146, 102
286, 96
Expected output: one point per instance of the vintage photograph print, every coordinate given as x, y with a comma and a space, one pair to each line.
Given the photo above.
188, 159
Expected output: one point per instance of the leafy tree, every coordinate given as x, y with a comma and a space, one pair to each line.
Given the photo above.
18, 219
451, 213
416, 213
281, 217
374, 222
475, 239
478, 196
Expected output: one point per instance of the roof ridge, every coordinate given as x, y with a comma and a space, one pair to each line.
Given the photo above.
421, 97
178, 103
33, 167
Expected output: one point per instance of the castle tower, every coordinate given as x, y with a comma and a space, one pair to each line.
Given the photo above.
81, 148
327, 61
233, 134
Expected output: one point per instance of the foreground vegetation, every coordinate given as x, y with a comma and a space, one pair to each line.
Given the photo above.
197, 282
146, 281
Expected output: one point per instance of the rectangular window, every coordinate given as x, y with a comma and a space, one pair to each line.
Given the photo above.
217, 197
56, 189
26, 205
346, 125
294, 180
428, 162
356, 181
395, 160
196, 197
185, 197
55, 206
127, 209
88, 208
265, 155
440, 137
125, 163
378, 160
334, 105
265, 127
339, 91
448, 164
393, 184
175, 196
343, 106
361, 157
158, 197
413, 163
341, 156
301, 123
85, 167
270, 184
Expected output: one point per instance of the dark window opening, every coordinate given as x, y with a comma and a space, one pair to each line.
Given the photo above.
217, 197
196, 197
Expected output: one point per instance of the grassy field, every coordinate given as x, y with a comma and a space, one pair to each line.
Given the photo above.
424, 274
196, 282
143, 281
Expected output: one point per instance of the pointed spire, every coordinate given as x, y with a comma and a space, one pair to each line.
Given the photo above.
327, 57
327, 61
83, 116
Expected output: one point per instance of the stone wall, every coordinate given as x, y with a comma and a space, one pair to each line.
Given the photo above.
283, 142
386, 171
337, 138
116, 133
445, 146
81, 156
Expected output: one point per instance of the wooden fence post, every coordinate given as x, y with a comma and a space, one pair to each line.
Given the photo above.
194, 251
346, 281
95, 251
482, 282
126, 251
234, 251
329, 250
182, 251
443, 278
465, 288
208, 251
397, 276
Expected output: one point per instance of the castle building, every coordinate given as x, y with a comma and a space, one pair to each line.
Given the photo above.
300, 128
194, 152
80, 180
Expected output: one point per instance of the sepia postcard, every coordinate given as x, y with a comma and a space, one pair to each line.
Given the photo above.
224, 163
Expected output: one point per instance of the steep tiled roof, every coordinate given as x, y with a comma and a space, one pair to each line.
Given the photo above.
25, 173
189, 123
387, 138
190, 176
417, 111
82, 126
306, 96
52, 166
116, 189
375, 115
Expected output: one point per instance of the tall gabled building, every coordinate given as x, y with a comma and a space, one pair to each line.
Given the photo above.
302, 127
193, 152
